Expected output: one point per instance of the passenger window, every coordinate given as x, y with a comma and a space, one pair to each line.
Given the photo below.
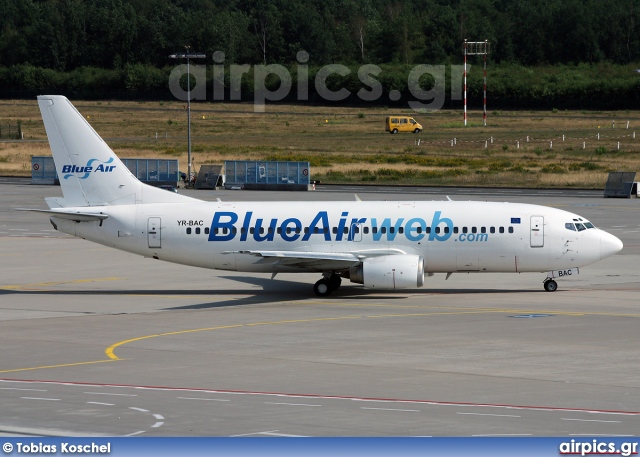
570, 226
383, 230
401, 230
335, 230
510, 229
197, 230
374, 230
234, 230
437, 229
492, 230
306, 230
465, 230
501, 230
206, 230
446, 229
252, 230
215, 231
243, 230
279, 230
580, 227
474, 230
455, 229
392, 229
189, 230
366, 230
483, 230
428, 230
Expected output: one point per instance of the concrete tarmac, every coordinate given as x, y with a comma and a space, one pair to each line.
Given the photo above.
100, 342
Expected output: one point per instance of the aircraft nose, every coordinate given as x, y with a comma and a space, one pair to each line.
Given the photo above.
609, 245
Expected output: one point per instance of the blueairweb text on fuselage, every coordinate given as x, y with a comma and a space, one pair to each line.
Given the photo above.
224, 227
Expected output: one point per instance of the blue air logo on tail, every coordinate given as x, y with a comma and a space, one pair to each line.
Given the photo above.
70, 170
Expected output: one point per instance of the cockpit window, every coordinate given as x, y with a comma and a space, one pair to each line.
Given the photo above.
570, 226
580, 227
589, 225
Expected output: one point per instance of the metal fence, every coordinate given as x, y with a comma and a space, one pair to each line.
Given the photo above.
10, 131
154, 171
43, 170
240, 172
150, 171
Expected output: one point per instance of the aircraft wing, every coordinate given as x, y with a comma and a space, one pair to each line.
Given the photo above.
316, 260
71, 215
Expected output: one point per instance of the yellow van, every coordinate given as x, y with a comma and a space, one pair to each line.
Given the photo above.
395, 124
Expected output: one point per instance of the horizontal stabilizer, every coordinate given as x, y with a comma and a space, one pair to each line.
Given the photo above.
76, 216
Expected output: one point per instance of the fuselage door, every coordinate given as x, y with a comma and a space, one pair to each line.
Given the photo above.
154, 232
537, 231
355, 232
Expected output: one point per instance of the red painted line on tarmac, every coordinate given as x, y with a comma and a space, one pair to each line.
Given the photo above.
330, 397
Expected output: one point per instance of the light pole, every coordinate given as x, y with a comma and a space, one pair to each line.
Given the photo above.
188, 55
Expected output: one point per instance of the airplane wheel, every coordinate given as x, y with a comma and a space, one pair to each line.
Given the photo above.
394, 131
335, 281
550, 285
416, 131
322, 288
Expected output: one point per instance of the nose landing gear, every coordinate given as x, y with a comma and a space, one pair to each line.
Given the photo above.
550, 285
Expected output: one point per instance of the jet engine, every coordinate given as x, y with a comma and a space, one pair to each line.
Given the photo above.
389, 272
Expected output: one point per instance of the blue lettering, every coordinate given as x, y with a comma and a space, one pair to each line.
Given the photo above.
217, 224
286, 226
66, 169
473, 237
355, 225
437, 221
270, 231
411, 229
245, 226
341, 225
322, 218
386, 225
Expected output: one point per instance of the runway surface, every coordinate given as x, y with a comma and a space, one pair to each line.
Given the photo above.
100, 342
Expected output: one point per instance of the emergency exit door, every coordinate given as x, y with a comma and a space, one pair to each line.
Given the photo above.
537, 231
154, 232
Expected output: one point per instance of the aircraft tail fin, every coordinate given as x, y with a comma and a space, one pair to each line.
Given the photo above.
89, 171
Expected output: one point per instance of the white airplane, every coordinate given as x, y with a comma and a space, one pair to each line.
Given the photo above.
383, 245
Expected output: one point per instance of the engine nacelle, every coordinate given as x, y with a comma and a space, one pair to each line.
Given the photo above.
389, 272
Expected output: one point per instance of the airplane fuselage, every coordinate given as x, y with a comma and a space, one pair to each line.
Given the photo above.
451, 236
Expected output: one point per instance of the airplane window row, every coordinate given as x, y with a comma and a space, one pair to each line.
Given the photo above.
197, 230
365, 230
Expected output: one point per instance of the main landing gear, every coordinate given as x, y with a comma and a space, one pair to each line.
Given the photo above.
550, 285
327, 284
